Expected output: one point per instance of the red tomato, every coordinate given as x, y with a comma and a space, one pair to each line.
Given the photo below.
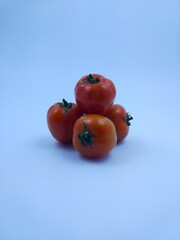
121, 119
60, 120
94, 94
94, 135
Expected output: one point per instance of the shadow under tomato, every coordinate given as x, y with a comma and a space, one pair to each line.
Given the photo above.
65, 146
68, 151
95, 160
42, 142
121, 142
70, 147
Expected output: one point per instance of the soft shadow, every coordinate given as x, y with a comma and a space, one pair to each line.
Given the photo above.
64, 146
69, 147
121, 142
130, 150
43, 142
67, 151
47, 142
99, 160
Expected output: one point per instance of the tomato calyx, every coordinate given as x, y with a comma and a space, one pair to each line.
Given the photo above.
91, 79
86, 137
128, 118
64, 104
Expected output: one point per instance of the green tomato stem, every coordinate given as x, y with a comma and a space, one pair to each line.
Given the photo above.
128, 118
64, 104
85, 137
91, 79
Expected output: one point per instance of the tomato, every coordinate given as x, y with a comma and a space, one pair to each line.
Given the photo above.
94, 94
94, 135
121, 119
60, 120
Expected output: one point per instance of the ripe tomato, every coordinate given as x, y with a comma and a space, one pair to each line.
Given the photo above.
60, 120
94, 135
94, 94
121, 120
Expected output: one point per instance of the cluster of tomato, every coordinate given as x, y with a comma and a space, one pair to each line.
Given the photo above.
94, 124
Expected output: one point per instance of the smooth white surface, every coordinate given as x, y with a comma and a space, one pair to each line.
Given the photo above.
51, 192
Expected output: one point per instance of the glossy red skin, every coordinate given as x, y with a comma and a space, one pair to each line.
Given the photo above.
95, 98
116, 114
104, 133
60, 123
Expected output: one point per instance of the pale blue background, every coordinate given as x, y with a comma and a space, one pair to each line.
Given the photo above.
48, 192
